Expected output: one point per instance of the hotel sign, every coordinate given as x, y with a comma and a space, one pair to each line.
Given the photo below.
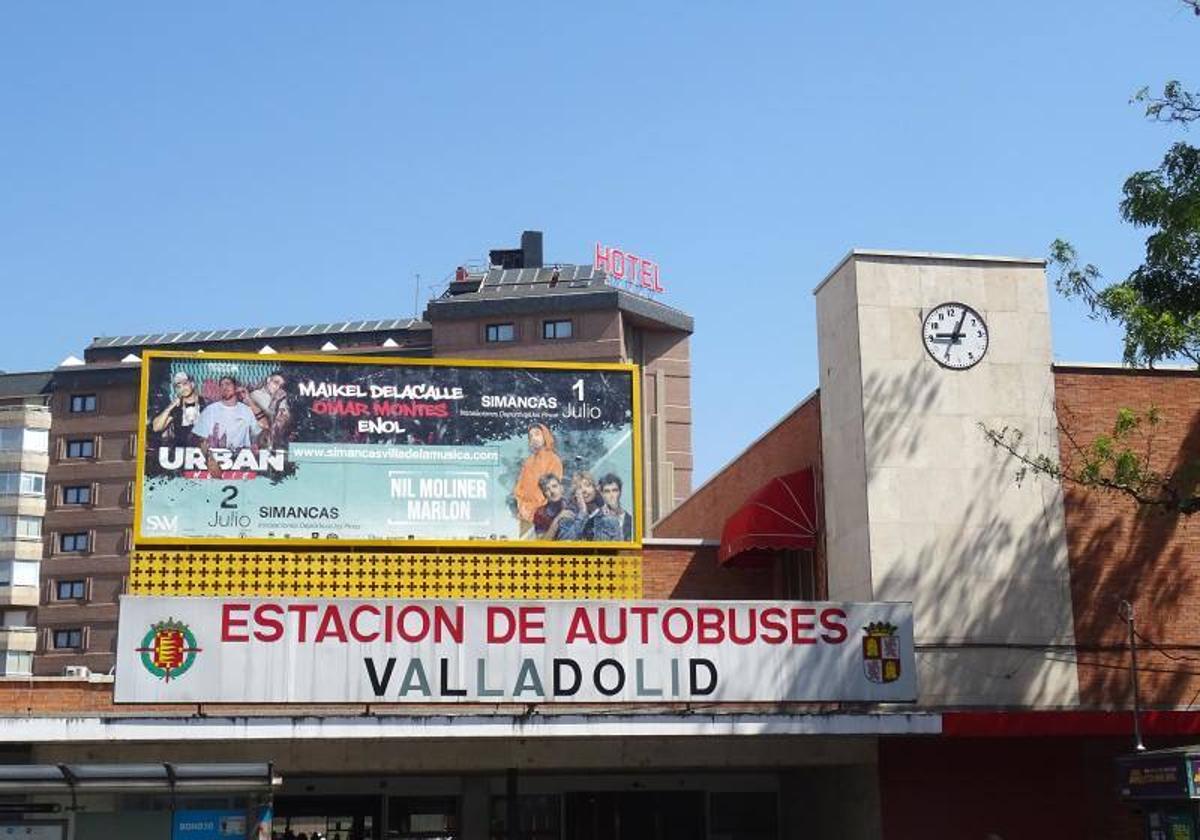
296, 650
627, 269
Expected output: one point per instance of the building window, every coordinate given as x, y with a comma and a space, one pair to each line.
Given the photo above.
66, 639
20, 527
83, 448
22, 484
77, 494
552, 330
19, 573
501, 332
24, 440
83, 403
16, 663
74, 541
69, 590
799, 575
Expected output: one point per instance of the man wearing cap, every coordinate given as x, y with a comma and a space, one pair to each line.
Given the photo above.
175, 422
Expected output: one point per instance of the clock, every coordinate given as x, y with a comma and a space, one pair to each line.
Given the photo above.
955, 335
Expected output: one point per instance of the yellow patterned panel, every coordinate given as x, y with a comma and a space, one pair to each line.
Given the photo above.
346, 575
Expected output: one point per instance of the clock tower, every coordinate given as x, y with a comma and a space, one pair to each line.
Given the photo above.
918, 354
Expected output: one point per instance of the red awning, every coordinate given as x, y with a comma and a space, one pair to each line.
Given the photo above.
782, 514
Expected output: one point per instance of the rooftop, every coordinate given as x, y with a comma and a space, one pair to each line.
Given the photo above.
499, 291
254, 333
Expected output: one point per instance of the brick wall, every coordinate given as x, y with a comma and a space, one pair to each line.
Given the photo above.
1120, 550
692, 573
790, 445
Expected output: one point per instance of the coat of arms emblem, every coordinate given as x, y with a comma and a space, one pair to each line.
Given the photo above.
881, 652
168, 649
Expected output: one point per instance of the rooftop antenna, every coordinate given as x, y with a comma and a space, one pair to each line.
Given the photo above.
416, 294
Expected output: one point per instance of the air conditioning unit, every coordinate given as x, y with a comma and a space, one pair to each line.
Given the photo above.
77, 671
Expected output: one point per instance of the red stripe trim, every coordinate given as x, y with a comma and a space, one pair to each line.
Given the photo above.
1024, 724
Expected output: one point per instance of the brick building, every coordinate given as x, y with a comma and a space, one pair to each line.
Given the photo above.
517, 309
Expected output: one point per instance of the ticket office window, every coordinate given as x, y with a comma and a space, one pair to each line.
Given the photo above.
423, 818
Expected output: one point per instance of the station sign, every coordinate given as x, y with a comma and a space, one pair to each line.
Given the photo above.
252, 449
296, 650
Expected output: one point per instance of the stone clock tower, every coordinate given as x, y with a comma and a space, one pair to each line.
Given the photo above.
917, 353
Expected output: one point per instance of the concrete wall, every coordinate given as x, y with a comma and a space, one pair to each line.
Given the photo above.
919, 506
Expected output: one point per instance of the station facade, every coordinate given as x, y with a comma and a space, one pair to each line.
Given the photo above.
879, 488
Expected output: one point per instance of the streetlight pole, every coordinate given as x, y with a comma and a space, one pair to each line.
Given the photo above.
1126, 612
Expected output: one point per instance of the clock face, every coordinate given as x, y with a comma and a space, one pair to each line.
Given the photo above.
955, 335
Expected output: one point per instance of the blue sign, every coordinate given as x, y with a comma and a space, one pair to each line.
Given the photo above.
209, 825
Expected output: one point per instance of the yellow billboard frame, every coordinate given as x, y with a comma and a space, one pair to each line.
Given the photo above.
141, 542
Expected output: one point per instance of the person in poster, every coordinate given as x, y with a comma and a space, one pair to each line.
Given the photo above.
609, 523
174, 423
546, 518
542, 460
230, 423
271, 397
584, 501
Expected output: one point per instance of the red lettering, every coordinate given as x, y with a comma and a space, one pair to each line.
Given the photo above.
750, 627
355, 631
800, 627
402, 623
710, 622
331, 625
618, 263
274, 625
495, 635
774, 628
602, 258
446, 624
611, 636
581, 627
302, 610
666, 625
644, 614
228, 622
837, 629
657, 287
388, 622
533, 625
646, 276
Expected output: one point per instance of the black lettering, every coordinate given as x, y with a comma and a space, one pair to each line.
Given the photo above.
559, 689
445, 690
609, 692
694, 666
379, 687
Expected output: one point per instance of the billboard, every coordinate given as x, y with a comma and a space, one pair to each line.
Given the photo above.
354, 451
313, 650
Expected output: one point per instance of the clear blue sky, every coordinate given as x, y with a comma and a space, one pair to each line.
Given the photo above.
226, 164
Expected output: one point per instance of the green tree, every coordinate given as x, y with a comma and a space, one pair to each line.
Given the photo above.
1158, 306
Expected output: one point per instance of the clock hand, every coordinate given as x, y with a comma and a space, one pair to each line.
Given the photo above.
958, 333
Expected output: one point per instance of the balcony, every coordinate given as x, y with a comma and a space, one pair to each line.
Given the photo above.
27, 416
23, 505
20, 549
18, 596
18, 638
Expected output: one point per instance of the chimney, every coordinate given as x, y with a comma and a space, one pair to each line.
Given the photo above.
531, 248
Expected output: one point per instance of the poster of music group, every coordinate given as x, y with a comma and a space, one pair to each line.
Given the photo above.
278, 448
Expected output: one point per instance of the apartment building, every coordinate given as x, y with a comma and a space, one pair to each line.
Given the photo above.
24, 442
